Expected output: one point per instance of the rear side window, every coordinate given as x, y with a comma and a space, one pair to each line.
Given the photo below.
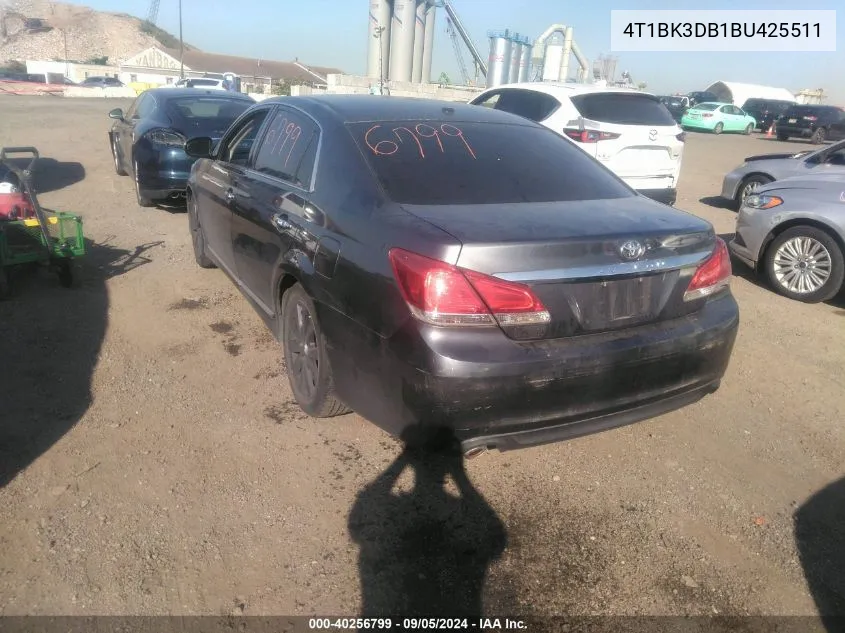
622, 108
289, 149
446, 163
529, 104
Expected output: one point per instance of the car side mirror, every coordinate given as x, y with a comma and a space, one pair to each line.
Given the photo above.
117, 114
200, 147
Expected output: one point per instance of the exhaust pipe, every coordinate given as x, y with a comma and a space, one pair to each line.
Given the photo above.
474, 452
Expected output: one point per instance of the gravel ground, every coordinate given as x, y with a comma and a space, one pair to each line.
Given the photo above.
153, 461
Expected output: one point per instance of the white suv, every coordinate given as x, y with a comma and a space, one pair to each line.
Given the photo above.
200, 82
629, 132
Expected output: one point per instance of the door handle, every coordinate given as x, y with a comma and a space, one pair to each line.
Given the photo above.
281, 222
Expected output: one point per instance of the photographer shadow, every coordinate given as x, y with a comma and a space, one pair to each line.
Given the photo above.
425, 552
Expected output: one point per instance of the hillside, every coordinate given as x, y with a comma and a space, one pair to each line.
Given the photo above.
40, 29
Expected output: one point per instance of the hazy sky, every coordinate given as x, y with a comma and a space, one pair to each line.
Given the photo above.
334, 33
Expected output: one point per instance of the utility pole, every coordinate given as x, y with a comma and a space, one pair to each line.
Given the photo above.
377, 35
67, 63
181, 45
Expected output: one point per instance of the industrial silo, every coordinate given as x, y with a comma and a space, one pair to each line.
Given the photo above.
402, 40
516, 57
378, 60
428, 48
525, 62
419, 41
498, 66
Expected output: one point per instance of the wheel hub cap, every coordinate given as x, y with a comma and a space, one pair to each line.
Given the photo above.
802, 265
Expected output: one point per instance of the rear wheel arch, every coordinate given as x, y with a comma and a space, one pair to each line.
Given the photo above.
747, 177
791, 224
286, 282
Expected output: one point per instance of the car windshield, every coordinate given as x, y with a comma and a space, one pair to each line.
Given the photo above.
622, 108
707, 106
193, 108
454, 162
204, 82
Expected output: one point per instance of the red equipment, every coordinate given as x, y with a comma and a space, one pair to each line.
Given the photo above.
15, 206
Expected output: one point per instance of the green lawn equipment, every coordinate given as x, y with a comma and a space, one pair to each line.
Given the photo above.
29, 234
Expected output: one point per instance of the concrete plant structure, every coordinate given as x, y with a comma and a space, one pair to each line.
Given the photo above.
401, 44
401, 40
551, 61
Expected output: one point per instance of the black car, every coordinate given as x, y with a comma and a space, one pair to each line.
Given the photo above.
676, 105
148, 140
815, 122
102, 82
765, 111
702, 96
453, 266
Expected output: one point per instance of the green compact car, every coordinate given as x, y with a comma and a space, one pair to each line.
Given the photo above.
718, 118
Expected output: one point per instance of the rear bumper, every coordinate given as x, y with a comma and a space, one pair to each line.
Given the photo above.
730, 185
697, 124
163, 173
497, 393
788, 130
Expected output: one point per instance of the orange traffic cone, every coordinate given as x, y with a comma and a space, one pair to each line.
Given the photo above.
771, 131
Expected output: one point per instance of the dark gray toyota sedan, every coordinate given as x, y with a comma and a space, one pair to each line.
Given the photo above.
432, 264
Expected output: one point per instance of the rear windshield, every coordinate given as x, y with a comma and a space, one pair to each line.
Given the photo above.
192, 108
805, 110
440, 163
622, 108
707, 106
203, 82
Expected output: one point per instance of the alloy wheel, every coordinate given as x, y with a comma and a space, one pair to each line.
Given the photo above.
304, 352
802, 265
749, 189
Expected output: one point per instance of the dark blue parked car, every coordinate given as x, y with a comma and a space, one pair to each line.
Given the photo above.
148, 140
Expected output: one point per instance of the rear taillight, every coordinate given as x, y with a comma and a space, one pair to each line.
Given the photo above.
589, 136
682, 137
441, 294
713, 275
165, 138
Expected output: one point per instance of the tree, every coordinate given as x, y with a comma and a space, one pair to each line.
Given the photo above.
642, 85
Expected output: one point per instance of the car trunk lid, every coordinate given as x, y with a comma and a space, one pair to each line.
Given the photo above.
596, 265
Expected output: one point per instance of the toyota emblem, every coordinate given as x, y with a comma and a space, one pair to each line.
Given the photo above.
631, 250
652, 135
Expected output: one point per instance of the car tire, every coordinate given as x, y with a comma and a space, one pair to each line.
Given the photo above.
309, 373
748, 186
783, 137
143, 201
749, 129
785, 252
198, 236
118, 163
818, 136
718, 128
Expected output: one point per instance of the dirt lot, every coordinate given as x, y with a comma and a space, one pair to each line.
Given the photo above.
152, 460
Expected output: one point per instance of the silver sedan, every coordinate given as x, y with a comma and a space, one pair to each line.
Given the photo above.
793, 231
765, 168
